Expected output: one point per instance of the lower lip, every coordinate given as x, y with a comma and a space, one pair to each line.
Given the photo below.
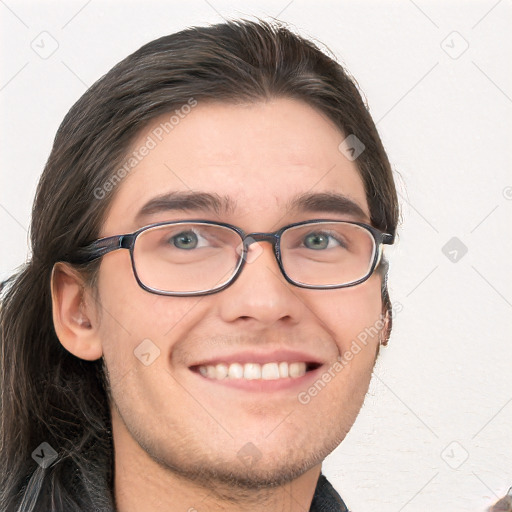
289, 383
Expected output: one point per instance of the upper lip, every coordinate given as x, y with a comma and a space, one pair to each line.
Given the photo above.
290, 356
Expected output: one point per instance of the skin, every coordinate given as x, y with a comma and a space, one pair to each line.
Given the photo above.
177, 435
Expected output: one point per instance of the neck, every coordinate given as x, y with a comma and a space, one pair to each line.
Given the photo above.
141, 484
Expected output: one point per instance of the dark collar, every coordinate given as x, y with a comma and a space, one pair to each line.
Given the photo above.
326, 499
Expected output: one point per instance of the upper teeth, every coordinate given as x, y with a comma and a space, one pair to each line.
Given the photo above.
267, 371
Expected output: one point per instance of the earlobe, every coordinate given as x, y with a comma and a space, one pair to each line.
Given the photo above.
73, 314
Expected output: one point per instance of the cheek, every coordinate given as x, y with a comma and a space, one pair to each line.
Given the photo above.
354, 314
136, 311
133, 320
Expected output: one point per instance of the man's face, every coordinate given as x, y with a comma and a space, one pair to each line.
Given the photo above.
261, 156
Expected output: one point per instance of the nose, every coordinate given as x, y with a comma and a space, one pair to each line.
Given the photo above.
260, 294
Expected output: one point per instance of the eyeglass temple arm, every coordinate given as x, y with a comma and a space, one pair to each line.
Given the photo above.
99, 248
387, 239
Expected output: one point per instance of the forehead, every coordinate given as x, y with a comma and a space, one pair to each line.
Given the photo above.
258, 156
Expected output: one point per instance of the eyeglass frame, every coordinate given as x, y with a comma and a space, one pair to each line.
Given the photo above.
105, 245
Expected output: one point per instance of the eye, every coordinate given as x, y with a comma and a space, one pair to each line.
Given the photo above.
320, 240
186, 240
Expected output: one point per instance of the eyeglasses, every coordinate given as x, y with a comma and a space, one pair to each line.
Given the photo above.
200, 257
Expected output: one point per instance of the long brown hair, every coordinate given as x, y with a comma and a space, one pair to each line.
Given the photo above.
47, 394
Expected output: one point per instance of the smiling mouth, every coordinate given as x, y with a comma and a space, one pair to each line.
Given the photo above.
255, 371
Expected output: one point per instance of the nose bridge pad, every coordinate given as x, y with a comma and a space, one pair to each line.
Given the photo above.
254, 249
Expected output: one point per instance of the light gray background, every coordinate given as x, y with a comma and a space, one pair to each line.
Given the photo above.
435, 429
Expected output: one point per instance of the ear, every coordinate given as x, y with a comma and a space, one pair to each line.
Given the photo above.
73, 314
387, 316
386, 330
387, 308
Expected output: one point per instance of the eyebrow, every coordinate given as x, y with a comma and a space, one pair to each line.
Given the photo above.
320, 202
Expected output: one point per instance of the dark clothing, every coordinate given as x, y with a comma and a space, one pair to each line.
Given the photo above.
326, 499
